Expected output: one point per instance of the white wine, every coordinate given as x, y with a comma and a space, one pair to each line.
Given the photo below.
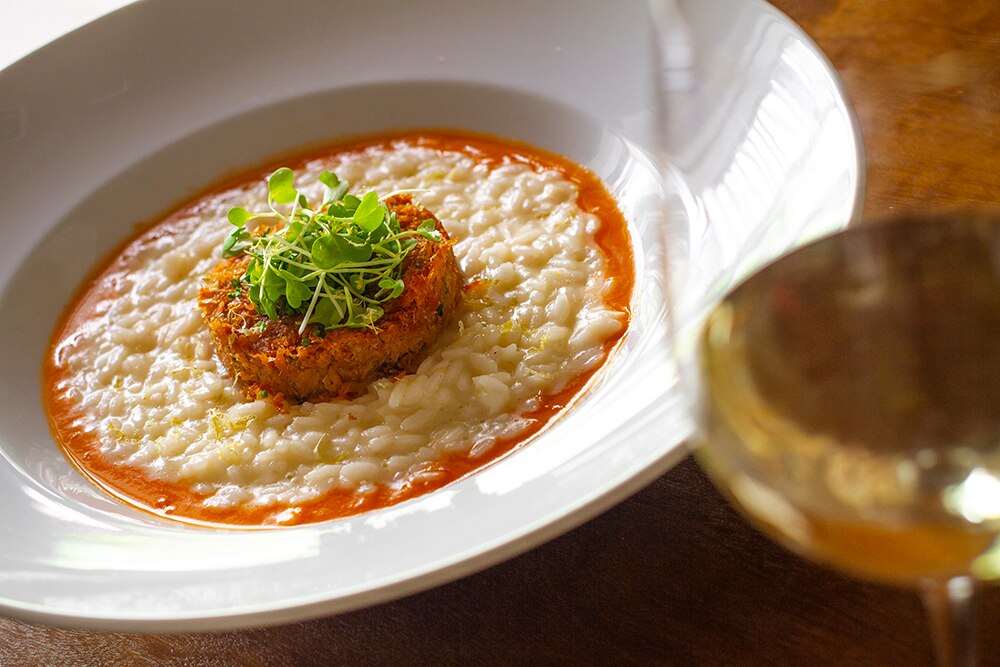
850, 399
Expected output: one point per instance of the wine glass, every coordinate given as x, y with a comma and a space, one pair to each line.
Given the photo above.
848, 397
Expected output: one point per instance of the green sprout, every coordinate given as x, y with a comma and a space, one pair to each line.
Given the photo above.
334, 265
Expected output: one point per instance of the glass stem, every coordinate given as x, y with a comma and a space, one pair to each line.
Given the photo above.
951, 607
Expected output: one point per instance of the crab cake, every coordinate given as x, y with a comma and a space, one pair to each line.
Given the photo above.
271, 356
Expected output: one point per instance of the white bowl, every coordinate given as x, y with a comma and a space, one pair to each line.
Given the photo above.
114, 123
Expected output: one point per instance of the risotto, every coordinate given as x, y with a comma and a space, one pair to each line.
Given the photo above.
141, 403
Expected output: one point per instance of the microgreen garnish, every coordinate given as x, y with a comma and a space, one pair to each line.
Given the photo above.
334, 265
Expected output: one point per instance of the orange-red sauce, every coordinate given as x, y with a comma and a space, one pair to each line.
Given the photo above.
134, 485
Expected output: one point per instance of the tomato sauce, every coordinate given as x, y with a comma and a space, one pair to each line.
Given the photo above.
172, 500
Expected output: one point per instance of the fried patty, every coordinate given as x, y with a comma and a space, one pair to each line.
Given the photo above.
271, 356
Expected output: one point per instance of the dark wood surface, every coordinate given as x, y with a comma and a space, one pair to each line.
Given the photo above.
673, 576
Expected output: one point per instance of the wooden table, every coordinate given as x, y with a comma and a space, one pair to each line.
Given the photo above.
673, 576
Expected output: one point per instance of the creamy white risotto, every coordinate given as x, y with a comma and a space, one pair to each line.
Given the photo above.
142, 368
